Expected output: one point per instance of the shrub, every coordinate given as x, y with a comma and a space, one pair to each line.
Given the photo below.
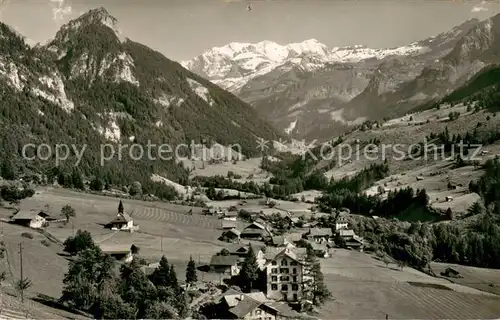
27, 235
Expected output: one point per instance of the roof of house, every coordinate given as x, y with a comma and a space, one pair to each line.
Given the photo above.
218, 260
234, 231
294, 253
228, 224
241, 304
115, 248
318, 246
320, 232
121, 218
29, 215
293, 219
346, 233
294, 237
244, 307
231, 213
233, 297
243, 248
278, 240
150, 268
253, 231
255, 224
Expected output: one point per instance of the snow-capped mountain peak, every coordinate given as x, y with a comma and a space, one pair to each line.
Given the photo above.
359, 52
233, 65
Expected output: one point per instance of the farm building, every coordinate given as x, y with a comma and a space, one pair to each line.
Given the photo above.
319, 234
254, 231
119, 252
225, 264
355, 243
122, 221
231, 235
34, 218
451, 273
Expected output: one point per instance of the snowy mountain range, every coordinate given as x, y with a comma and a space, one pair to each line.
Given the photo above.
234, 65
309, 90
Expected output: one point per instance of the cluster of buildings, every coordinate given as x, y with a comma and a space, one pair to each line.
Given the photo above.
281, 258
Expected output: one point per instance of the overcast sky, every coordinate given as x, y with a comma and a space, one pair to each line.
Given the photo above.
181, 29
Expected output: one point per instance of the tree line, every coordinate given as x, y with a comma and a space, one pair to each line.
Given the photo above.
92, 284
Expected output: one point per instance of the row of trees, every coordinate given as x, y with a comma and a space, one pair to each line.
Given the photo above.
92, 284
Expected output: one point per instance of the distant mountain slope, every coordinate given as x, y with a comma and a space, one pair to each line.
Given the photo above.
307, 92
484, 80
91, 86
475, 50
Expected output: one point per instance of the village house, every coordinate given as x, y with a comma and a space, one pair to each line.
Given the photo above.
310, 224
255, 231
150, 268
227, 265
346, 234
319, 235
34, 218
355, 243
241, 251
293, 221
231, 235
280, 241
294, 237
227, 224
230, 216
341, 222
320, 249
249, 306
118, 251
285, 276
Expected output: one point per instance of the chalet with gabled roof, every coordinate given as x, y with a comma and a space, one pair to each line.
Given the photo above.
35, 219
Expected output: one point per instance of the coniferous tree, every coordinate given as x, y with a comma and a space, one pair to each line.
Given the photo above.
77, 181
160, 276
172, 278
191, 276
96, 184
249, 271
314, 285
7, 170
136, 289
120, 207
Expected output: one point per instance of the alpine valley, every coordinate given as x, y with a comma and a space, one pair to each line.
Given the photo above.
311, 91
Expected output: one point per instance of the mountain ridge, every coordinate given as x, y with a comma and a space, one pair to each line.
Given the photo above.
336, 92
88, 86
